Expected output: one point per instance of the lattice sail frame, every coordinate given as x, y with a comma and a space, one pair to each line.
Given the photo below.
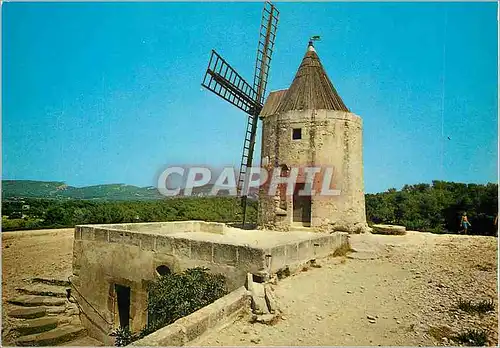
265, 47
223, 80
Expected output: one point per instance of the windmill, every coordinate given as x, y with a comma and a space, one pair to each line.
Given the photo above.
223, 80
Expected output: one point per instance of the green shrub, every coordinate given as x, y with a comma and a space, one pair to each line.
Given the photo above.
474, 338
123, 337
482, 307
174, 296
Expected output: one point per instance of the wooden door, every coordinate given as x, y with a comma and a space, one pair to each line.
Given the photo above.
301, 206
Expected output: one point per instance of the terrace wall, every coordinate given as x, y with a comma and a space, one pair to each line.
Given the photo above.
105, 256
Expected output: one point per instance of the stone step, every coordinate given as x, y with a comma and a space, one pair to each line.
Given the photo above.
54, 337
41, 289
27, 312
35, 326
85, 341
56, 310
50, 281
40, 311
34, 301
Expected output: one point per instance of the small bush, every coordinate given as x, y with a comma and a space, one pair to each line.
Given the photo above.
123, 337
487, 267
283, 273
175, 296
474, 338
482, 307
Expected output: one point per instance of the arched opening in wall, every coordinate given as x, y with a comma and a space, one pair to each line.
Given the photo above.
162, 270
282, 187
123, 304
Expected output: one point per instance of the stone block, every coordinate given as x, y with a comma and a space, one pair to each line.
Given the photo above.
259, 304
164, 245
292, 253
236, 300
251, 258
196, 226
225, 254
322, 246
212, 227
77, 256
181, 247
87, 233
195, 324
147, 241
201, 250
278, 257
249, 282
123, 237
389, 229
78, 233
171, 335
101, 234
305, 250
271, 301
216, 313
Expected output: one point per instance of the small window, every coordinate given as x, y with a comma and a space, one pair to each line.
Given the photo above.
162, 270
297, 133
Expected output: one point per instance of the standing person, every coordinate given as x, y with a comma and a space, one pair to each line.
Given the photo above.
465, 223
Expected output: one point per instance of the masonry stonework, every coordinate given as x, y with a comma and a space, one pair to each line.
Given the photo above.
128, 255
327, 135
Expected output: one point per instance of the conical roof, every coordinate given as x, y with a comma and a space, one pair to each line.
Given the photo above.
311, 87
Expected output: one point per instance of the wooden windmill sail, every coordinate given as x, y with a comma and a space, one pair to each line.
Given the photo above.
224, 81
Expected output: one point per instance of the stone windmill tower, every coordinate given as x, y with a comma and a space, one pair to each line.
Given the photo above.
309, 125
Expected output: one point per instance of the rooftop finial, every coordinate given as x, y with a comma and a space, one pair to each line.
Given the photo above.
314, 38
310, 47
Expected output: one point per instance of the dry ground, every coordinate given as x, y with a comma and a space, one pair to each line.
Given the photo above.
411, 290
412, 287
28, 254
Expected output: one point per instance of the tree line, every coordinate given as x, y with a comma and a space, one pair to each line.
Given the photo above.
435, 207
45, 213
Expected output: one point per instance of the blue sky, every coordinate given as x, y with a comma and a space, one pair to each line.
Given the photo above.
97, 93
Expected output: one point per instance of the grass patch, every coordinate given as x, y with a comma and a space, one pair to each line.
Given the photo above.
474, 338
283, 273
487, 267
482, 307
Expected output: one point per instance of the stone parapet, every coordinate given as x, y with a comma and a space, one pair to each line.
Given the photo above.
196, 324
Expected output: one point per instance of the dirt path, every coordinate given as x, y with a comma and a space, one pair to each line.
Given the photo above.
28, 254
412, 287
41, 253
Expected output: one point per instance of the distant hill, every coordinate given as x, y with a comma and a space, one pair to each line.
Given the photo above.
12, 189
59, 190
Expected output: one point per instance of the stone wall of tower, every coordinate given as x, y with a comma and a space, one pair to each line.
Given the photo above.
329, 138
